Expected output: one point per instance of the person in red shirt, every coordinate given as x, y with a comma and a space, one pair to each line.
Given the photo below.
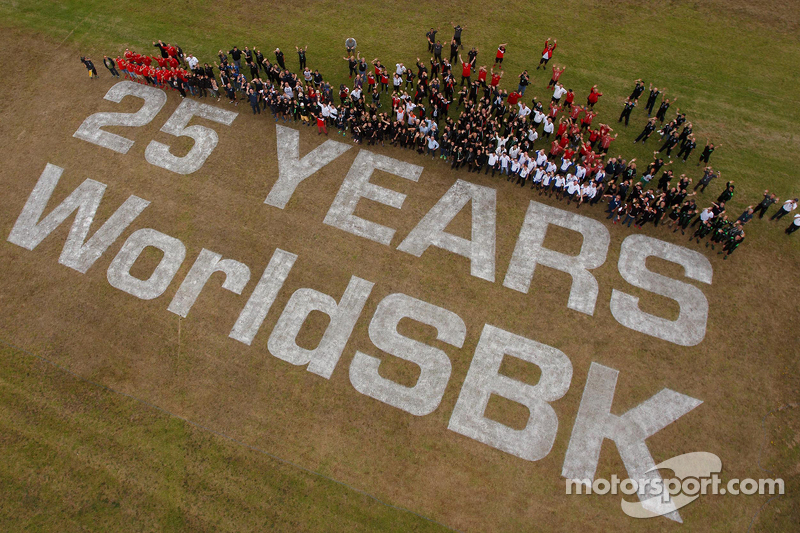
568, 153
384, 80
513, 98
563, 140
587, 120
321, 127
604, 129
371, 82
171, 50
594, 95
482, 76
554, 109
556, 74
173, 62
556, 149
575, 112
568, 99
161, 61
122, 65
605, 142
496, 78
547, 53
562, 127
466, 71
501, 51
128, 55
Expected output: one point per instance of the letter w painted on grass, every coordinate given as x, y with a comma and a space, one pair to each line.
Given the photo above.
292, 170
78, 253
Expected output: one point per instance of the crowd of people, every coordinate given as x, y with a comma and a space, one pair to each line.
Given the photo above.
559, 148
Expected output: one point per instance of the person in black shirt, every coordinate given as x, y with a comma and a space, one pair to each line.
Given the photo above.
707, 151
162, 48
457, 29
279, 58
236, 55
301, 52
431, 36
648, 129
112, 68
651, 100
89, 66
638, 89
687, 148
454, 52
768, 200
437, 51
662, 109
626, 110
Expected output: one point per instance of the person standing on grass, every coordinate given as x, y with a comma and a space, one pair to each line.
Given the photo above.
649, 128
280, 58
794, 226
556, 74
431, 37
301, 53
662, 109
708, 175
787, 207
626, 110
501, 52
769, 199
638, 89
594, 95
707, 151
547, 53
454, 52
457, 29
651, 99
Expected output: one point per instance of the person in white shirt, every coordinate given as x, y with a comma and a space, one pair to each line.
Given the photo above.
573, 188
532, 135
356, 94
541, 158
559, 186
492, 163
524, 110
580, 171
513, 152
565, 164
433, 145
538, 117
523, 175
538, 175
397, 81
787, 207
501, 143
549, 127
587, 192
794, 226
558, 92
192, 61
400, 69
504, 160
547, 180
551, 167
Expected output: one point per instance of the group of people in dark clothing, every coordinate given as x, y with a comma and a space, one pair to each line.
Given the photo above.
552, 146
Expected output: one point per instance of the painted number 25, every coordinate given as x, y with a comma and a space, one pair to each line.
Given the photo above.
156, 153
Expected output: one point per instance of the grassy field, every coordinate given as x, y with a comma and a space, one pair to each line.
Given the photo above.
77, 456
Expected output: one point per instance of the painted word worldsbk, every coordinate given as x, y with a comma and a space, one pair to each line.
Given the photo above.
594, 421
